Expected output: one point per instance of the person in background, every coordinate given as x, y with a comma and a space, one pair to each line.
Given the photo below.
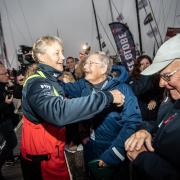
70, 66
154, 148
18, 85
79, 71
7, 117
146, 88
46, 111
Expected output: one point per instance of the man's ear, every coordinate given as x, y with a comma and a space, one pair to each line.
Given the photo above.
104, 69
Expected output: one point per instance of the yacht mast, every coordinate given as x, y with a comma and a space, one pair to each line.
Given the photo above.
97, 27
139, 27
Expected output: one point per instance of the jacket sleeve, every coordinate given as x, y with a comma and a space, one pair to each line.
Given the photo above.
129, 119
60, 111
155, 167
72, 90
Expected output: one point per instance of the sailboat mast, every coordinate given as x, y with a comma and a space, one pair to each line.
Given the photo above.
139, 27
3, 52
155, 22
97, 27
110, 7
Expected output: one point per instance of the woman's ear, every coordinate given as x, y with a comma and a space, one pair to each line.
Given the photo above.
41, 57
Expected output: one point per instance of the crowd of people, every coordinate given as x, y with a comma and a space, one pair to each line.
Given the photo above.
125, 124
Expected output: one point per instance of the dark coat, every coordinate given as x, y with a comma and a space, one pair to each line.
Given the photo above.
163, 164
112, 126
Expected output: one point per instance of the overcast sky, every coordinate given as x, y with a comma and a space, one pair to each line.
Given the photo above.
26, 20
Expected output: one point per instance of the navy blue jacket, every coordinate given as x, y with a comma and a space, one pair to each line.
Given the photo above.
164, 163
39, 103
112, 126
146, 88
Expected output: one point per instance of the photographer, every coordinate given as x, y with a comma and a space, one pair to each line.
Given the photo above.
6, 117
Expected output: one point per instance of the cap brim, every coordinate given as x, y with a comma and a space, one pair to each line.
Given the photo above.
156, 67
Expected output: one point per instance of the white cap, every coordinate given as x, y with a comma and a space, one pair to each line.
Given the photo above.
166, 54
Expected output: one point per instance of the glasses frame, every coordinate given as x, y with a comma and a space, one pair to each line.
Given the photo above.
167, 76
91, 62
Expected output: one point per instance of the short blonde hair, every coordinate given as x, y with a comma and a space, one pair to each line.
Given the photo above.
40, 46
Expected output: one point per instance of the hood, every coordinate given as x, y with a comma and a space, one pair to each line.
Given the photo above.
122, 72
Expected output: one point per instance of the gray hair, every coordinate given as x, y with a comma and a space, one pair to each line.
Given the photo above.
41, 44
106, 61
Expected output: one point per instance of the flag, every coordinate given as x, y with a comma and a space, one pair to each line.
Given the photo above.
142, 4
124, 43
148, 19
171, 32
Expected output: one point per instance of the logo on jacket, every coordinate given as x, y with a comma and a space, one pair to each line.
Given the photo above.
45, 86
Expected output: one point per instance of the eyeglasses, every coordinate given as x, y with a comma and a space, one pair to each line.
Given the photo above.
91, 62
167, 76
3, 74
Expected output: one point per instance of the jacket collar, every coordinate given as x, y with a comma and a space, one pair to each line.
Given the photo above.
177, 104
110, 83
49, 71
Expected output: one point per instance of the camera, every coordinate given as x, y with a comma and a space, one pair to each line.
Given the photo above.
24, 55
9, 91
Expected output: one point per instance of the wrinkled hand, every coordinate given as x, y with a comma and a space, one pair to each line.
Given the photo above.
118, 97
102, 163
8, 100
152, 104
138, 139
133, 154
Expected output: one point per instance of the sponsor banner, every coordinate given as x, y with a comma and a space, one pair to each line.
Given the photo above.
124, 43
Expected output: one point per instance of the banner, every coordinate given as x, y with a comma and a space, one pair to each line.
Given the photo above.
171, 32
124, 43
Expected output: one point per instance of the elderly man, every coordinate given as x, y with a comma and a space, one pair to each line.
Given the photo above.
159, 158
114, 125
7, 117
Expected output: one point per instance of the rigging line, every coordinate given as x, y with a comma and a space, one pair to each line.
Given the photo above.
139, 26
10, 27
3, 45
12, 37
151, 27
115, 8
155, 22
107, 35
122, 7
164, 23
168, 12
97, 27
13, 58
28, 29
159, 12
92, 27
175, 13
110, 7
18, 29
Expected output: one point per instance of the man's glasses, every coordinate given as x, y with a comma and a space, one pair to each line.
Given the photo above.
91, 63
167, 76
